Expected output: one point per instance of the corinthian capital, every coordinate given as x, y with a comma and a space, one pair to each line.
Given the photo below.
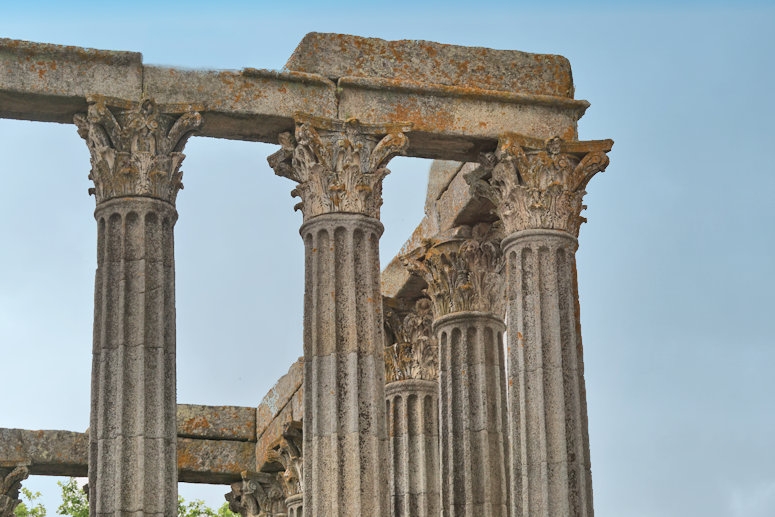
414, 353
338, 165
539, 184
259, 494
463, 274
285, 457
136, 147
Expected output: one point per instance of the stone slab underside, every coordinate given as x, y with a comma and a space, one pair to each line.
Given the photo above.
215, 445
456, 110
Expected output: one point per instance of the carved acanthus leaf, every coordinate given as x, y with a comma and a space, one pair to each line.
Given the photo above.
285, 458
10, 485
414, 354
338, 165
463, 274
539, 186
136, 148
258, 495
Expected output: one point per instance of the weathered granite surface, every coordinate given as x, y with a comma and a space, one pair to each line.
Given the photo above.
282, 405
215, 444
217, 422
341, 55
45, 453
455, 114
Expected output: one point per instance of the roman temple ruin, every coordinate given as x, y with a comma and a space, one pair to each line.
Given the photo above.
450, 382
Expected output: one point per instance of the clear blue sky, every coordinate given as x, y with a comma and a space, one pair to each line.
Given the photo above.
675, 265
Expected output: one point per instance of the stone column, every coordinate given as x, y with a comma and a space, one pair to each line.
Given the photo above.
135, 157
537, 189
10, 485
339, 167
412, 390
465, 285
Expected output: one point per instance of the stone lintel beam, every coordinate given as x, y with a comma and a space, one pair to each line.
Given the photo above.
51, 83
344, 55
45, 453
255, 105
217, 422
215, 444
214, 461
453, 122
65, 453
45, 82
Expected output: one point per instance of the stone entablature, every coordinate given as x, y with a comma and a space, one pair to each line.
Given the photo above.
258, 105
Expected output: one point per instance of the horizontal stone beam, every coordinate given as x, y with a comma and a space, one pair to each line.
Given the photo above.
45, 453
214, 461
51, 83
217, 422
65, 453
215, 445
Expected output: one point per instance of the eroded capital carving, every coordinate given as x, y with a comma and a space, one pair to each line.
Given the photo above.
338, 165
285, 457
539, 184
258, 495
414, 353
136, 147
10, 485
463, 274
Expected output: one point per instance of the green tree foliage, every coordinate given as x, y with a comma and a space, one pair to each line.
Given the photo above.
29, 507
197, 508
75, 504
74, 501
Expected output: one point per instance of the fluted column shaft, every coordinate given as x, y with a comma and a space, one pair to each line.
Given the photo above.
295, 505
133, 459
345, 443
551, 471
473, 414
413, 430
